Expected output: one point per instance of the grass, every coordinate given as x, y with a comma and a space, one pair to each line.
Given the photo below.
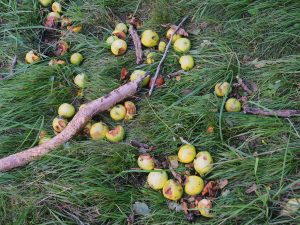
91, 181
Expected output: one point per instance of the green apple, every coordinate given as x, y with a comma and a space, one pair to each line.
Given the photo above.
233, 105
186, 62
98, 131
182, 45
80, 80
116, 135
45, 3
175, 36
111, 39
66, 110
76, 58
118, 112
162, 46
118, 47
139, 73
150, 58
157, 179
149, 38
222, 89
172, 190
121, 27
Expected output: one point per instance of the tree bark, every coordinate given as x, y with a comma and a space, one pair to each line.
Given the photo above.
74, 126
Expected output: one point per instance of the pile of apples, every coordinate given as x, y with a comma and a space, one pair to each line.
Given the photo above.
193, 185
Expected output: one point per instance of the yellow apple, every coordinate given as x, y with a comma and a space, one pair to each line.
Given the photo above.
116, 135
98, 131
66, 110
186, 153
118, 112
146, 162
162, 46
186, 62
172, 190
233, 105
149, 38
203, 163
45, 3
193, 185
150, 58
139, 73
31, 57
157, 179
182, 45
59, 124
130, 110
121, 27
76, 58
222, 89
56, 7
111, 39
118, 47
80, 80
175, 36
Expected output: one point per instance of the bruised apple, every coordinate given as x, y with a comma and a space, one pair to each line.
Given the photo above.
98, 131
59, 124
172, 190
222, 89
233, 105
118, 47
32, 57
203, 162
116, 135
140, 73
149, 38
118, 112
186, 153
146, 162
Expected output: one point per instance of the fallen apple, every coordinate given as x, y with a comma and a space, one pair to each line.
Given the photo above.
116, 135
222, 89
233, 105
75, 28
119, 34
159, 81
56, 7
175, 36
150, 58
66, 110
111, 39
172, 190
44, 139
157, 179
203, 163
121, 27
204, 206
182, 45
292, 206
186, 62
61, 48
80, 80
210, 129
118, 47
145, 162
32, 57
45, 3
53, 62
130, 110
149, 38
76, 58
87, 128
54, 15
186, 153
98, 131
59, 124
193, 185
140, 73
118, 112
162, 46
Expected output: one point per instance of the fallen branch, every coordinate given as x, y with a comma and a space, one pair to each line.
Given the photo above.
74, 126
286, 113
164, 56
136, 41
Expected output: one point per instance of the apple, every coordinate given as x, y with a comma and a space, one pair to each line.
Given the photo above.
61, 48
157, 179
162, 46
80, 80
118, 112
204, 206
98, 131
210, 129
56, 7
59, 124
32, 57
75, 28
65, 21
66, 110
182, 45
146, 162
44, 139
175, 36
54, 15
172, 190
233, 105
150, 58
149, 38
53, 62
291, 207
87, 128
186, 153
119, 34
159, 81
76, 58
121, 27
193, 185
203, 162
116, 135
130, 110
186, 62
111, 39
45, 3
222, 89
140, 73
118, 47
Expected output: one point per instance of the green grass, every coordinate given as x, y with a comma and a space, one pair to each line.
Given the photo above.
91, 181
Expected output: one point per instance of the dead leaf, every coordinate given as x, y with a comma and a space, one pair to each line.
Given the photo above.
141, 208
130, 219
177, 176
251, 189
184, 207
222, 183
174, 206
210, 189
173, 161
124, 73
180, 31
178, 78
135, 22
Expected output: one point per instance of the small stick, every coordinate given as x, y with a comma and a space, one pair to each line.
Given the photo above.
175, 74
164, 56
137, 44
286, 113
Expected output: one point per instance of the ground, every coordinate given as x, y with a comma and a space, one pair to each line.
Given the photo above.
89, 182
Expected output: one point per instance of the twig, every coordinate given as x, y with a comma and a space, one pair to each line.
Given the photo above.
73, 127
279, 113
137, 44
175, 74
139, 145
165, 55
244, 86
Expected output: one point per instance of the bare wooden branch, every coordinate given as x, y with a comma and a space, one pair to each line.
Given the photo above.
286, 113
74, 126
165, 55
137, 44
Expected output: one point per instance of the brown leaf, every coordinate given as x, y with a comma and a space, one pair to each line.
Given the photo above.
136, 22
180, 31
177, 176
251, 189
184, 207
173, 161
222, 183
210, 189
124, 73
61, 48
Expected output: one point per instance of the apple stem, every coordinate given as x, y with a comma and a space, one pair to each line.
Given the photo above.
165, 55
